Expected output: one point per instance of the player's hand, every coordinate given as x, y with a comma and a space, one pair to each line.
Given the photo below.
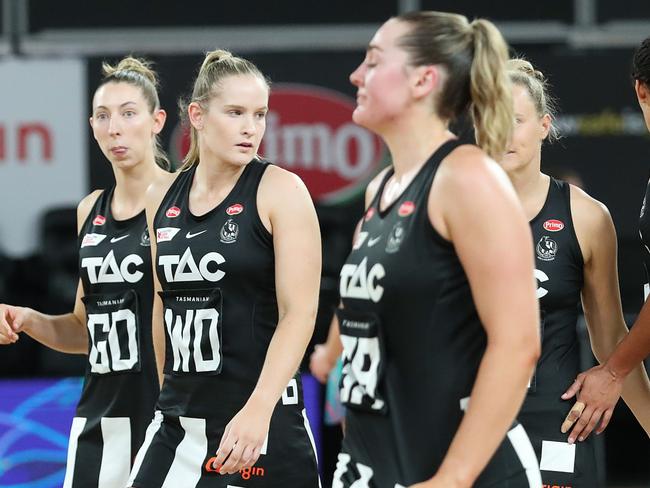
243, 438
597, 389
321, 362
12, 322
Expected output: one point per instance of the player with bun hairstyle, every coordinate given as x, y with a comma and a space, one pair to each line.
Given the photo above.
111, 321
575, 257
237, 257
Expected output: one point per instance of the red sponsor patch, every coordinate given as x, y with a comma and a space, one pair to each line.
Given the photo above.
99, 220
173, 212
235, 209
370, 214
406, 208
553, 225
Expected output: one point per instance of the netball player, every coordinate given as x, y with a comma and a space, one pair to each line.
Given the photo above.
599, 389
575, 255
439, 321
111, 321
237, 253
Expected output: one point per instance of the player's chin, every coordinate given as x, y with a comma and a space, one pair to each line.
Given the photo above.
124, 163
363, 118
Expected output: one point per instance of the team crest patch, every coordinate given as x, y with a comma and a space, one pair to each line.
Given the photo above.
546, 249
145, 240
229, 232
395, 238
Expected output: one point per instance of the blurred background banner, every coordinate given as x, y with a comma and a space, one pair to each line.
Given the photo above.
35, 419
43, 145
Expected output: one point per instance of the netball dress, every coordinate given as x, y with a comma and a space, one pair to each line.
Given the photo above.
217, 272
559, 273
121, 385
412, 346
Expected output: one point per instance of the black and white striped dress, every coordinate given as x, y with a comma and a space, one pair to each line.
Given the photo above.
121, 384
217, 272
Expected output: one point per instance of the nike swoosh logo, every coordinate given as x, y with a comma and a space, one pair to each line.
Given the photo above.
115, 239
189, 235
373, 241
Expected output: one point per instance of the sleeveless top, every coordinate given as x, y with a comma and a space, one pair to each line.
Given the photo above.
559, 273
412, 338
116, 275
217, 274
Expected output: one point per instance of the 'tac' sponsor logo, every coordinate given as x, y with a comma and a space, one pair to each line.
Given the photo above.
107, 270
357, 282
185, 268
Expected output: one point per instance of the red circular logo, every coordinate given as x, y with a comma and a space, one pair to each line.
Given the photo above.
209, 465
99, 220
309, 131
173, 212
406, 208
553, 225
235, 209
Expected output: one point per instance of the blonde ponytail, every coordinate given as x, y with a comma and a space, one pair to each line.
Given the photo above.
474, 57
490, 89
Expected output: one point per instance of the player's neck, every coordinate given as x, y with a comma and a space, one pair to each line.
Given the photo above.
532, 190
526, 178
212, 176
130, 188
411, 142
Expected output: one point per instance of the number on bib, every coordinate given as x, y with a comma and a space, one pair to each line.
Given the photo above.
362, 361
113, 332
192, 320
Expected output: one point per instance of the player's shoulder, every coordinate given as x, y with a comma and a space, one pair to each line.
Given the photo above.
87, 202
280, 186
161, 183
275, 175
373, 186
468, 171
587, 210
85, 206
